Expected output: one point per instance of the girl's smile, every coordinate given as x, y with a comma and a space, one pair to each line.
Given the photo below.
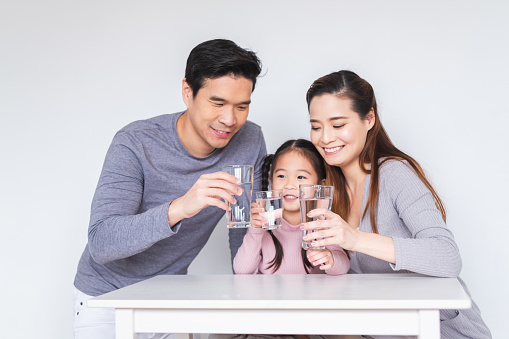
290, 197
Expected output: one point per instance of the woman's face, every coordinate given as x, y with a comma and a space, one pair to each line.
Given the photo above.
337, 132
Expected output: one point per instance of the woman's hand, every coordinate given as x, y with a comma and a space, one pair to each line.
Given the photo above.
323, 258
332, 230
257, 218
335, 231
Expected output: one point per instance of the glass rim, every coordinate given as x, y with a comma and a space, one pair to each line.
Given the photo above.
269, 191
278, 192
236, 166
314, 185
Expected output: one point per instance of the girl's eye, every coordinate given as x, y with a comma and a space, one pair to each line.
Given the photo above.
338, 126
280, 176
301, 177
315, 128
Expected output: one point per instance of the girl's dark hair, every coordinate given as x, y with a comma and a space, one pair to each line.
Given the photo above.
348, 85
219, 57
308, 150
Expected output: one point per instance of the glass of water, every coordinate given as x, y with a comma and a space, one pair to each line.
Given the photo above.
239, 216
312, 197
272, 203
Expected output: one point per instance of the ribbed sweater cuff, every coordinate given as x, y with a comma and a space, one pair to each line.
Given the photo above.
398, 250
162, 219
341, 264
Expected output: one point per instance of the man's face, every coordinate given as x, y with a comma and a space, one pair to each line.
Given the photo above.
215, 114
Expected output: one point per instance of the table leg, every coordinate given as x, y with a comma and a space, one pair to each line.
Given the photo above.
429, 324
124, 324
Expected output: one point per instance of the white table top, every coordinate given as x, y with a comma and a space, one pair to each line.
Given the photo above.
299, 291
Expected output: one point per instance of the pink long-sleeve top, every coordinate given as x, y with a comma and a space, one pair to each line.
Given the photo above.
258, 250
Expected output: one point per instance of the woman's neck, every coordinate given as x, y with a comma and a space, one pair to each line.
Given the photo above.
355, 181
355, 177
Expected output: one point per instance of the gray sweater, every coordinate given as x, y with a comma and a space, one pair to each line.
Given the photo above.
145, 169
423, 244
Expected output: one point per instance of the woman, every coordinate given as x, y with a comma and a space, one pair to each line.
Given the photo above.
385, 212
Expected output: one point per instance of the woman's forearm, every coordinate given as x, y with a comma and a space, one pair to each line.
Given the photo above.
376, 245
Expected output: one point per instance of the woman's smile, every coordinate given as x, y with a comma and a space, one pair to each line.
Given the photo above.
332, 150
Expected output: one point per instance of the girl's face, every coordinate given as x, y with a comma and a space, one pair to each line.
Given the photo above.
291, 170
337, 132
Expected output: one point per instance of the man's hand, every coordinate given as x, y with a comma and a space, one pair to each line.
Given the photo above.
208, 190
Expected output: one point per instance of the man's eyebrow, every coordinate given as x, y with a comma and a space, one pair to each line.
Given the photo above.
214, 98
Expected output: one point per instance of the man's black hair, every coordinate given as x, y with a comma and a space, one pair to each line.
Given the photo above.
219, 57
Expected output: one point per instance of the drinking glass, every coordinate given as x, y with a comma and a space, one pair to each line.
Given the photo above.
312, 197
272, 202
239, 216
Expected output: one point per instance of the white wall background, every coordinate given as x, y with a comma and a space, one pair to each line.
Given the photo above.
74, 72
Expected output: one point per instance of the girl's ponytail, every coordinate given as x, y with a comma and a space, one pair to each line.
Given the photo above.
278, 258
305, 260
267, 163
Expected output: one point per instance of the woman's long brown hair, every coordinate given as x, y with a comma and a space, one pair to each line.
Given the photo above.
348, 85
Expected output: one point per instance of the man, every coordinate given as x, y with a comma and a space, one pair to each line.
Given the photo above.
161, 191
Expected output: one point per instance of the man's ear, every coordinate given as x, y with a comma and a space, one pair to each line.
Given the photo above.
187, 92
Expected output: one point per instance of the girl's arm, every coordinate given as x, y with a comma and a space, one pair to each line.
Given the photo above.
333, 260
248, 257
340, 259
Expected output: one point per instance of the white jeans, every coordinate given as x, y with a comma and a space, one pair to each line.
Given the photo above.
99, 323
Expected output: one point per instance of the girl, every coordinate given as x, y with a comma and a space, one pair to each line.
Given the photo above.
385, 211
280, 251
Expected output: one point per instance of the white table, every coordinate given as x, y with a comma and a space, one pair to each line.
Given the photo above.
397, 304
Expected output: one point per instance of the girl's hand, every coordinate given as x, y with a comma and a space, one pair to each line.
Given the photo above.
323, 258
257, 218
333, 230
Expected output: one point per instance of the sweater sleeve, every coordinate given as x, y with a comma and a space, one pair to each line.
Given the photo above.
116, 228
249, 255
341, 261
431, 248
